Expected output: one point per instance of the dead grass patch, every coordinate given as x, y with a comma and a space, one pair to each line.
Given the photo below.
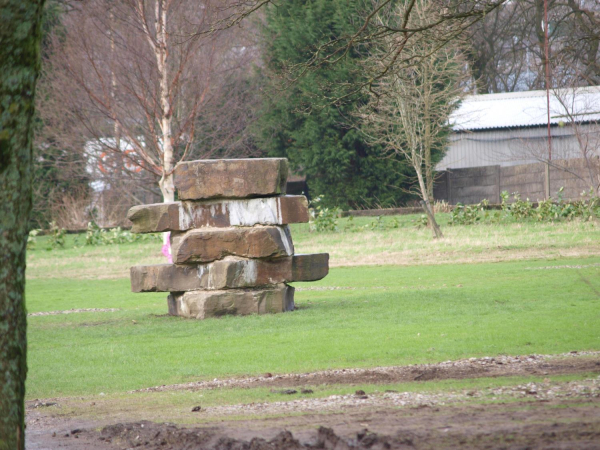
406, 245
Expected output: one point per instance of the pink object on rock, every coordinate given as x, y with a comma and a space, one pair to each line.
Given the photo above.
166, 248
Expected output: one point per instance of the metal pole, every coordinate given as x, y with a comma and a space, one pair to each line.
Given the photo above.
547, 69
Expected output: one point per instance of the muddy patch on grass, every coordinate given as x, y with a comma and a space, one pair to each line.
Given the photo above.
499, 366
575, 425
540, 414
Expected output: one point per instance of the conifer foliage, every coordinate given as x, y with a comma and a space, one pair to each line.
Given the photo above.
308, 120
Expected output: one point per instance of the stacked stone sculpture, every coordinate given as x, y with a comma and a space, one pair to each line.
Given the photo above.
231, 245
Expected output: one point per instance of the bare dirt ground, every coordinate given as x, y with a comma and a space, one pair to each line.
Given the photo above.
532, 425
545, 414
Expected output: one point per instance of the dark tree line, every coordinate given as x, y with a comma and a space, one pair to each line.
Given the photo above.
294, 97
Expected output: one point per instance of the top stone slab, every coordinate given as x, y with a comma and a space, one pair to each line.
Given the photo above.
231, 178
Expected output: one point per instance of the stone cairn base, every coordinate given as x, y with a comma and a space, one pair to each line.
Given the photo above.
231, 244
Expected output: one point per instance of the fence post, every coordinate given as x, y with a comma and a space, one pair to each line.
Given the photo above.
449, 186
547, 179
498, 183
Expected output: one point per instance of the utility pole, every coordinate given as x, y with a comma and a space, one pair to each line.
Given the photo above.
547, 70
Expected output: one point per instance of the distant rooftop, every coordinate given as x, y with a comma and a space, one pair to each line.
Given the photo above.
526, 109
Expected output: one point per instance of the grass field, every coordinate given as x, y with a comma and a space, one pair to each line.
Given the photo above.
482, 290
405, 245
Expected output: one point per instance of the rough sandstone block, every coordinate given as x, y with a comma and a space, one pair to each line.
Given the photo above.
172, 304
205, 304
229, 273
209, 244
182, 216
231, 178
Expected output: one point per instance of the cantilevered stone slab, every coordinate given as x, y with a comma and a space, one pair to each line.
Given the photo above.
231, 178
229, 273
205, 304
182, 216
209, 244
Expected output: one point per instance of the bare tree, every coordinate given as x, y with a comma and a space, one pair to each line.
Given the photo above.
454, 18
575, 145
507, 46
499, 58
409, 109
381, 24
574, 103
135, 78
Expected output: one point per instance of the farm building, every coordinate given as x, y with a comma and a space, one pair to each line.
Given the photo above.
500, 143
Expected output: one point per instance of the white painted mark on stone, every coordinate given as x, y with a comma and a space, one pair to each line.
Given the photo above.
249, 272
183, 307
247, 213
211, 276
287, 243
202, 270
244, 213
185, 219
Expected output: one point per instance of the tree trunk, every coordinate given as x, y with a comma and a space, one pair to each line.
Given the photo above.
167, 186
19, 68
427, 139
166, 183
426, 205
428, 170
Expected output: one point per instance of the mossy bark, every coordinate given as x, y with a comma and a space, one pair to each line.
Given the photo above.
19, 69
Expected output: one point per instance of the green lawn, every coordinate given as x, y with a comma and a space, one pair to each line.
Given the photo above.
373, 315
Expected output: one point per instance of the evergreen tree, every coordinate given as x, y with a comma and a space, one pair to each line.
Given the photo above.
303, 124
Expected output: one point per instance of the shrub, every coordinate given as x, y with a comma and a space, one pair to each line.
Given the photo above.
587, 208
321, 218
469, 214
32, 239
521, 209
100, 236
56, 237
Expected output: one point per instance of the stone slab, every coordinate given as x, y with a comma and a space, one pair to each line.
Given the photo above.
229, 273
206, 304
231, 178
209, 244
172, 304
185, 215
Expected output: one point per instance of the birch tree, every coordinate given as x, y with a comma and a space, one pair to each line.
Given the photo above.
409, 110
135, 77
19, 67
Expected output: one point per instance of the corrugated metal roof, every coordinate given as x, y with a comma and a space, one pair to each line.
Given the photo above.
525, 109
